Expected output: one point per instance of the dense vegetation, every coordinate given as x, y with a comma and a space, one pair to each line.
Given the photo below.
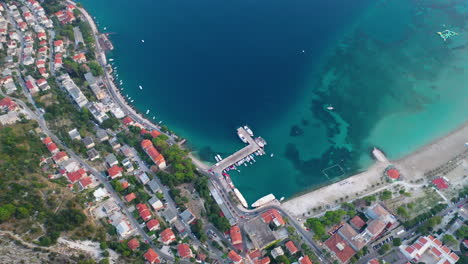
318, 225
27, 199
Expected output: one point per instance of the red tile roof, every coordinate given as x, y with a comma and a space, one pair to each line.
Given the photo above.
437, 242
58, 43
75, 176
446, 249
145, 215
52, 147
265, 260
255, 254
141, 207
60, 156
8, 104
127, 121
374, 261
184, 251
114, 171
357, 222
291, 247
133, 244
234, 256
454, 256
440, 183
86, 181
167, 236
154, 154
130, 197
79, 57
47, 141
151, 256
155, 133
410, 249
436, 252
340, 247
144, 131
272, 214
305, 260
236, 236
152, 224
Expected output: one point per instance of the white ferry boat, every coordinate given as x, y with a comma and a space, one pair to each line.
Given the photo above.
264, 200
241, 198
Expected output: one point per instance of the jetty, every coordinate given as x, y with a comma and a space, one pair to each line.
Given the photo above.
253, 146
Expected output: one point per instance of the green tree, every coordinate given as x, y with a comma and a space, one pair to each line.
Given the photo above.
449, 240
385, 195
462, 232
96, 69
384, 249
397, 242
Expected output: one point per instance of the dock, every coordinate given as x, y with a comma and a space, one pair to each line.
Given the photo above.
252, 147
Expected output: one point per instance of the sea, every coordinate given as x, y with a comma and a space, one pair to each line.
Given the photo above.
323, 82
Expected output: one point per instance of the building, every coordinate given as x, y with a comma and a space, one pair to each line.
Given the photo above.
143, 177
151, 256
76, 175
75, 93
53, 148
234, 257
392, 174
357, 222
111, 160
102, 135
93, 154
273, 216
291, 247
340, 248
180, 228
236, 235
167, 236
377, 211
440, 183
184, 251
85, 182
154, 154
130, 197
187, 216
276, 252
305, 260
133, 244
169, 215
88, 142
430, 250
60, 157
260, 233
7, 105
152, 225
156, 203
115, 171
154, 186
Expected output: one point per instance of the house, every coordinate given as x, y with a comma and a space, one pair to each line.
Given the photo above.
31, 85
41, 36
88, 142
114, 142
154, 186
154, 154
7, 105
291, 247
58, 46
156, 203
127, 151
40, 64
43, 72
428, 249
273, 216
102, 135
61, 156
265, 260
65, 17
111, 160
80, 58
357, 222
85, 182
128, 121
305, 260
235, 234
260, 233
373, 261
152, 225
145, 214
151, 256
93, 154
58, 63
167, 236
180, 228
53, 148
43, 85
74, 134
392, 174
234, 257
276, 252
124, 183
169, 215
187, 216
130, 197
115, 171
184, 251
143, 177
133, 244
127, 165
42, 43
76, 175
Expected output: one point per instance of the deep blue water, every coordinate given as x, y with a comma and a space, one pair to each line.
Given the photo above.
209, 66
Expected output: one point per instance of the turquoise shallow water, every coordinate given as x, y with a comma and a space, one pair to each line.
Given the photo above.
209, 66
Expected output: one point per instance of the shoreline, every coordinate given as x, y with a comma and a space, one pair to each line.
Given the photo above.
412, 167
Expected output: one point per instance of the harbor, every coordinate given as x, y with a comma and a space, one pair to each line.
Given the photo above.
243, 157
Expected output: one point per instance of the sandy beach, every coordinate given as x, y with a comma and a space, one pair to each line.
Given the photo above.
412, 167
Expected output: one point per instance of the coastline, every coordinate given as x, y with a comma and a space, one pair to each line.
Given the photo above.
411, 166
111, 87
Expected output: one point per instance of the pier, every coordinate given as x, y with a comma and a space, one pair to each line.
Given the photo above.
252, 147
